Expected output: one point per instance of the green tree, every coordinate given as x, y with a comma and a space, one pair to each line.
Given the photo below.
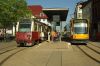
11, 11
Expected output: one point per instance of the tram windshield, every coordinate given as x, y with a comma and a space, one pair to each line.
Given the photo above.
80, 28
25, 26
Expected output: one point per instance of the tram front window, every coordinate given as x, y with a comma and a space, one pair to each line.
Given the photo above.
24, 27
80, 28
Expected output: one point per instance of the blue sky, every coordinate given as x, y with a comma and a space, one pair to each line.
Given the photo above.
69, 4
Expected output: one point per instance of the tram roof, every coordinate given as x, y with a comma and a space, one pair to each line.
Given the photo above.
63, 12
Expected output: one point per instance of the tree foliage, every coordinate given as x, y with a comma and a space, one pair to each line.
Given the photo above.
12, 10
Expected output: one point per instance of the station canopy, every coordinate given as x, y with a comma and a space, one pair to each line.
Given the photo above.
50, 12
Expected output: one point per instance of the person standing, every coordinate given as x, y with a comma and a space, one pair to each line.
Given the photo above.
53, 35
42, 36
48, 36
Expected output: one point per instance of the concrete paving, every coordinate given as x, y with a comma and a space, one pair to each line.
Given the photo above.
51, 54
95, 43
7, 44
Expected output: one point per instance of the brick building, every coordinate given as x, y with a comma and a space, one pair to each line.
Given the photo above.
91, 12
96, 17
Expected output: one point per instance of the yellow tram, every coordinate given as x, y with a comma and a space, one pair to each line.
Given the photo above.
79, 29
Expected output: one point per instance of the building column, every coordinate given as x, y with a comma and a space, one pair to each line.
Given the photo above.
60, 30
14, 30
53, 26
41, 29
37, 27
17, 26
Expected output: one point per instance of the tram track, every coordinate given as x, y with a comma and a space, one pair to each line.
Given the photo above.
93, 49
7, 55
90, 52
7, 47
7, 51
94, 45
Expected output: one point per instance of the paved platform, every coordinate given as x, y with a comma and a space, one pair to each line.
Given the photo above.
50, 54
7, 44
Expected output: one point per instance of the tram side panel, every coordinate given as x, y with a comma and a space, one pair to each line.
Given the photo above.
36, 36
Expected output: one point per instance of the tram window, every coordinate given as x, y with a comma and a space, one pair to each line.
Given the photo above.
80, 28
24, 27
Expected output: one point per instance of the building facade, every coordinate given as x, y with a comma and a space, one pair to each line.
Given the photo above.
40, 15
91, 11
87, 14
96, 17
78, 11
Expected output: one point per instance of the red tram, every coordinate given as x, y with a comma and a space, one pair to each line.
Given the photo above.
28, 32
